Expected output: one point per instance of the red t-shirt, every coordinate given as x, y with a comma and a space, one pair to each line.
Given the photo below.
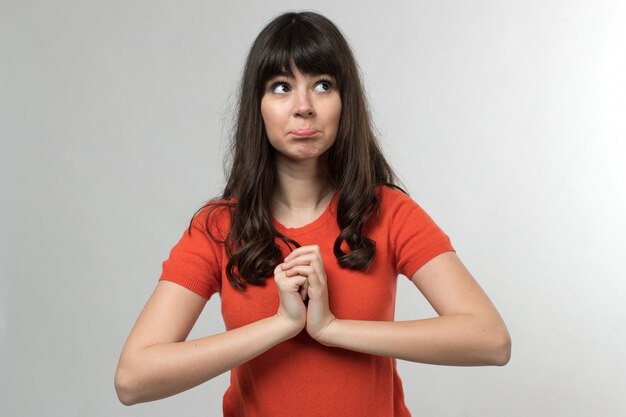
301, 377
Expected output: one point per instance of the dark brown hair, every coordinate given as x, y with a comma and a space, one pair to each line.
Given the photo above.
356, 164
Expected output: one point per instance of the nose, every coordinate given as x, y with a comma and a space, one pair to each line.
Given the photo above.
303, 106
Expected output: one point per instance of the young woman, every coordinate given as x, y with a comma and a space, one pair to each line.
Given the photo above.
304, 248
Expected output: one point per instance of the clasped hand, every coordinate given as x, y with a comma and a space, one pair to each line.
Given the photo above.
302, 276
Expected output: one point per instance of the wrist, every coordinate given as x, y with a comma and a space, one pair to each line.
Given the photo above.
289, 328
327, 336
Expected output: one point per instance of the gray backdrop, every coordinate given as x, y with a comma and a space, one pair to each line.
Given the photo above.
506, 121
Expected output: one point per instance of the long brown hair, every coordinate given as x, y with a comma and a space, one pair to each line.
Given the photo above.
356, 164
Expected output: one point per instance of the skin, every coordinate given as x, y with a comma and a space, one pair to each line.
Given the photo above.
301, 116
468, 330
157, 361
290, 104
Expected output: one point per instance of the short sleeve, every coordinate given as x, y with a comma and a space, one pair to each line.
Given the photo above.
195, 261
415, 237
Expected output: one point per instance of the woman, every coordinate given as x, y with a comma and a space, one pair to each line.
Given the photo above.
310, 202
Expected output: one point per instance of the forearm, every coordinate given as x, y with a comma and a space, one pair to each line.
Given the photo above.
455, 339
166, 369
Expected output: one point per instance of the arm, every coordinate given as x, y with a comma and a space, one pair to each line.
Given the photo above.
157, 362
468, 331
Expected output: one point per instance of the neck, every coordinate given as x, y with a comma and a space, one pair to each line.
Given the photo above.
302, 185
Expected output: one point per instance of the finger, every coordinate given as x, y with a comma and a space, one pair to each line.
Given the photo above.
279, 269
304, 290
300, 260
315, 267
291, 284
303, 250
305, 270
313, 280
300, 281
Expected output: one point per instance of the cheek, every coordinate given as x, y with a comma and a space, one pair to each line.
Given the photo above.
271, 119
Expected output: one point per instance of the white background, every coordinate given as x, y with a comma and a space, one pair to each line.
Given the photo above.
504, 119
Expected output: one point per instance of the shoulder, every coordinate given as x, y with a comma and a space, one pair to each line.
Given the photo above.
215, 217
391, 197
392, 202
397, 206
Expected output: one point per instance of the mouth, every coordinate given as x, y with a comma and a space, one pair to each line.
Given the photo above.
304, 133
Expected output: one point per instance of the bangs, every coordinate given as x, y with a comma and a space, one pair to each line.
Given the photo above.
302, 45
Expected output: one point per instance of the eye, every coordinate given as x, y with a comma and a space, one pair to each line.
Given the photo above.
280, 87
323, 86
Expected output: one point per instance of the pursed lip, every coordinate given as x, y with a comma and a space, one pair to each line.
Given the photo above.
303, 133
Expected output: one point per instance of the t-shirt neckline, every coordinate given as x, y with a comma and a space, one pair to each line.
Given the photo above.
321, 220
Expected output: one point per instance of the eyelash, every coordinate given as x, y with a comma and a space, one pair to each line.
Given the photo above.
326, 81
278, 83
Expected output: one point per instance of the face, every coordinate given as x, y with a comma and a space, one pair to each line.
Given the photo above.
301, 115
